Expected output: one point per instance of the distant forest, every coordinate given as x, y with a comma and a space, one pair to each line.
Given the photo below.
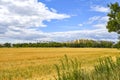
73, 44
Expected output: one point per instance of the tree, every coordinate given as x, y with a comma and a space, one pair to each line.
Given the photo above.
7, 45
113, 25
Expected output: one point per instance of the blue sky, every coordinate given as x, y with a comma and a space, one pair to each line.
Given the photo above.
80, 11
54, 20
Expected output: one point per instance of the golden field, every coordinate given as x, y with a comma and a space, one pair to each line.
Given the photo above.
38, 63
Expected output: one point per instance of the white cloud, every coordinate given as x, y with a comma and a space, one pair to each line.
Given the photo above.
80, 25
93, 19
99, 8
26, 14
98, 21
19, 20
96, 34
100, 26
53, 10
104, 19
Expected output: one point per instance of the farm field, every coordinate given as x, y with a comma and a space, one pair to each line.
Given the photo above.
38, 63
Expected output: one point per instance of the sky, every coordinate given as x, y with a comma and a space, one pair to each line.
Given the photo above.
54, 20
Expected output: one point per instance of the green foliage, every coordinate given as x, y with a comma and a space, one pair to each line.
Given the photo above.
117, 45
75, 44
70, 70
113, 24
7, 45
106, 69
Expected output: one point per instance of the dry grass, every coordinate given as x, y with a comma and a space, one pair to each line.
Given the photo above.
24, 63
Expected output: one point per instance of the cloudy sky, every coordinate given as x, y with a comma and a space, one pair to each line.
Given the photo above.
54, 20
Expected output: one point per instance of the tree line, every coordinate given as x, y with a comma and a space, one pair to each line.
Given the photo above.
74, 44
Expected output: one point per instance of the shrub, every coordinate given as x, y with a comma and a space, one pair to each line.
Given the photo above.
105, 69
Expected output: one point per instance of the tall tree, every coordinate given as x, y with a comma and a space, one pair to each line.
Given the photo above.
113, 25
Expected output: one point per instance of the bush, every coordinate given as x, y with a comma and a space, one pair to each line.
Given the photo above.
105, 69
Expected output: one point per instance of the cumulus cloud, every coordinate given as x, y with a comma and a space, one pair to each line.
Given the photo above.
99, 33
26, 13
17, 17
99, 8
19, 20
96, 34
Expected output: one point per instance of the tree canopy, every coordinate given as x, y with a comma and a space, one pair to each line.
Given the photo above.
113, 24
82, 43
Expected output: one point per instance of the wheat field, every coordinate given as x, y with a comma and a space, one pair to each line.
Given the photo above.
38, 63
